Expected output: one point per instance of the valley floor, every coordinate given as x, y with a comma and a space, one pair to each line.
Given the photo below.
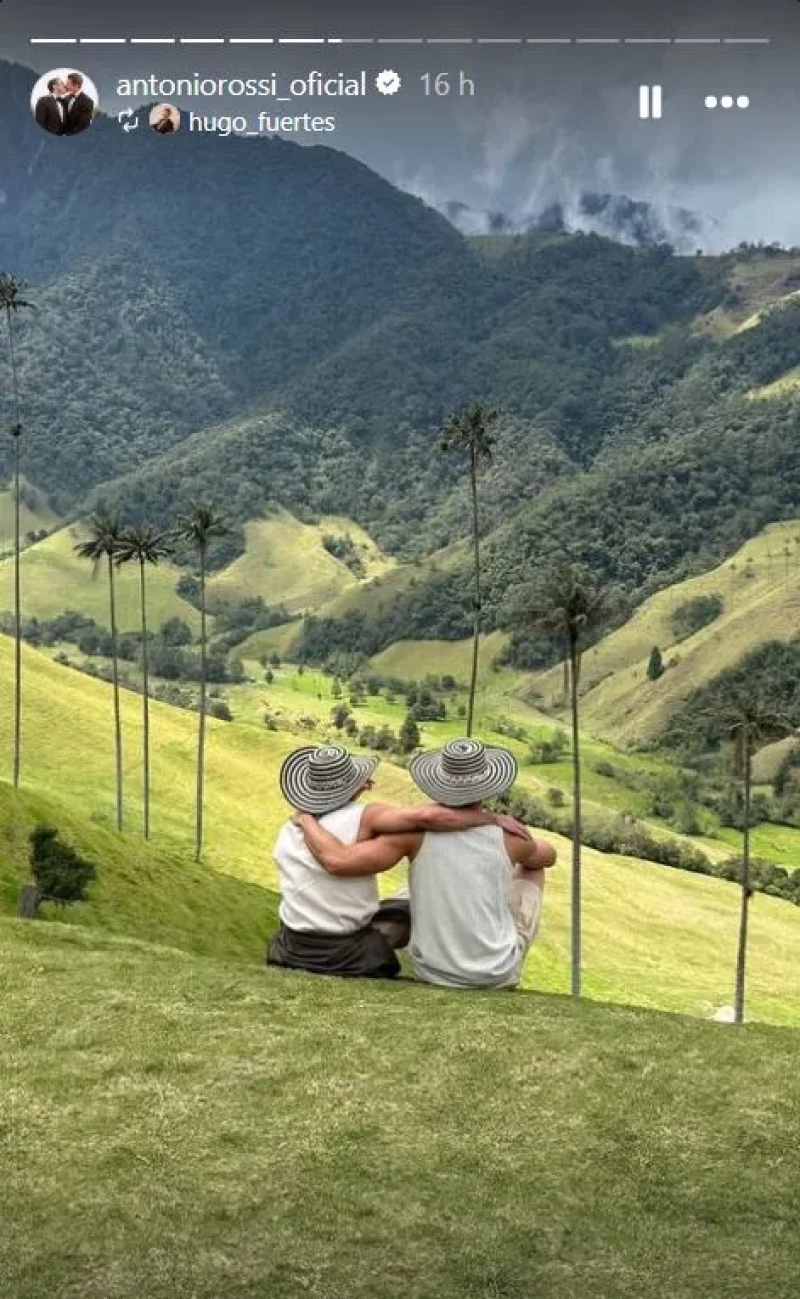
178, 1128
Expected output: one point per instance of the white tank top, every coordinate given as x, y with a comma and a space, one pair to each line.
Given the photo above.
314, 901
462, 930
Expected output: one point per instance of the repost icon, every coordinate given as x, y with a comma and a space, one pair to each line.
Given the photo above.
127, 119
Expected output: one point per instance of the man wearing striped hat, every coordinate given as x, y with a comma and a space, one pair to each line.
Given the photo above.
331, 917
475, 889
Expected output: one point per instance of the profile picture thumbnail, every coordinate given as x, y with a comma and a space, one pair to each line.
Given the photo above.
64, 101
165, 119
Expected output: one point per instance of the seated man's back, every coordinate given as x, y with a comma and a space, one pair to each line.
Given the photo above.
331, 922
461, 888
475, 890
311, 897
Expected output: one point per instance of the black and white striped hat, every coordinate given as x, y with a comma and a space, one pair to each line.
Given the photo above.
320, 780
464, 771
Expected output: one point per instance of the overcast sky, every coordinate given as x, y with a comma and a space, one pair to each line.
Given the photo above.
546, 122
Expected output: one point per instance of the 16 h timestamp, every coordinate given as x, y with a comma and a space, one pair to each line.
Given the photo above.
448, 83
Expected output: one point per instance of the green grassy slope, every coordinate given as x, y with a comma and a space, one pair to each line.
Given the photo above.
767, 761
654, 936
68, 751
55, 579
153, 892
756, 286
760, 587
286, 563
384, 582
282, 641
30, 520
371, 597
411, 660
788, 384
177, 1127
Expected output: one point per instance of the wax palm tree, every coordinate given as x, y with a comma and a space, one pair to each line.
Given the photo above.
11, 302
469, 431
748, 720
143, 546
197, 529
105, 535
569, 604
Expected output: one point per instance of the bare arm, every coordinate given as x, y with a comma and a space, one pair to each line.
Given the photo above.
536, 854
369, 857
381, 819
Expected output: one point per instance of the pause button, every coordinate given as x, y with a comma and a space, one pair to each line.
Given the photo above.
650, 102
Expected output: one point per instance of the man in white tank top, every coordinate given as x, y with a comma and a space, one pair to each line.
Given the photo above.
331, 921
475, 892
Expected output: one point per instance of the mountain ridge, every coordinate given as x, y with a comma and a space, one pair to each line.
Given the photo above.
313, 370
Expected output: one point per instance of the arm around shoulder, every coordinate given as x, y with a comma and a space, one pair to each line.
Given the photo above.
535, 854
367, 857
383, 819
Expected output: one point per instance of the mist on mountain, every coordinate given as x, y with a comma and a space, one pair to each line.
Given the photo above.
617, 216
267, 324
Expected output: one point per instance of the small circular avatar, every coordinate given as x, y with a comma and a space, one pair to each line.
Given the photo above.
64, 102
165, 119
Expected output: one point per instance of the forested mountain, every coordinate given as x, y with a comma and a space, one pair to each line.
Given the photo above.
265, 323
177, 287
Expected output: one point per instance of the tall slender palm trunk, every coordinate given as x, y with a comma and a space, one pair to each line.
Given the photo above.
146, 701
115, 679
16, 433
744, 913
577, 827
201, 733
476, 603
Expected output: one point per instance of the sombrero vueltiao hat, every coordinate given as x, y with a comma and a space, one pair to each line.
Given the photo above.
464, 771
320, 780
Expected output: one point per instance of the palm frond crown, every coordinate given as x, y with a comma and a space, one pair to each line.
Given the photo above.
144, 544
200, 525
567, 601
748, 719
105, 535
470, 430
11, 293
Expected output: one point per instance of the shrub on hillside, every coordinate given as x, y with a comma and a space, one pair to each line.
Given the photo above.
764, 877
692, 615
409, 737
626, 835
621, 834
59, 873
550, 750
344, 549
655, 665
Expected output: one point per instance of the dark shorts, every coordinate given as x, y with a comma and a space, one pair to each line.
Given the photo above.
364, 954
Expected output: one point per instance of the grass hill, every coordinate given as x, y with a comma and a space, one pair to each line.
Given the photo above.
286, 562
785, 386
179, 1126
372, 599
654, 936
33, 518
55, 579
755, 286
375, 597
153, 892
414, 659
759, 588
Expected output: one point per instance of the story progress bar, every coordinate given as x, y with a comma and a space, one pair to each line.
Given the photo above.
399, 40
